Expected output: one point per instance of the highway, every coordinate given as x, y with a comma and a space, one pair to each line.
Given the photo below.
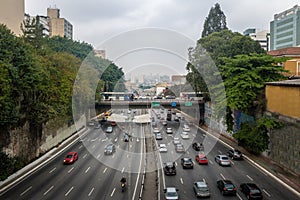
240, 171
97, 176
94, 175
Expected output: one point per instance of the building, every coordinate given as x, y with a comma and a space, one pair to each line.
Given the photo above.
261, 36
12, 14
285, 29
293, 64
59, 26
178, 79
41, 20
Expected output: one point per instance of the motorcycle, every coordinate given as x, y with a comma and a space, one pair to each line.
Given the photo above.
123, 186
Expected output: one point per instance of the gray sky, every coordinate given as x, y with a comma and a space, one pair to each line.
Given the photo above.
97, 21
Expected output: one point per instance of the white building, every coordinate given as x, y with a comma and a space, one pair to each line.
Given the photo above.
262, 36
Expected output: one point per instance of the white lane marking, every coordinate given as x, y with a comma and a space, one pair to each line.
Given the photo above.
69, 191
123, 169
223, 177
99, 156
130, 146
93, 147
137, 139
26, 191
220, 152
181, 180
112, 193
266, 193
93, 140
239, 196
211, 162
48, 190
204, 180
80, 147
116, 139
91, 192
113, 156
187, 152
176, 164
84, 156
52, 170
70, 170
127, 155
249, 177
104, 170
86, 171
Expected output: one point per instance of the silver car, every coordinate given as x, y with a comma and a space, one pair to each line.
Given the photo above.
201, 189
223, 160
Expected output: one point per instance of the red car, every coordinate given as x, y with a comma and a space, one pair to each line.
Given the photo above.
113, 123
201, 159
71, 157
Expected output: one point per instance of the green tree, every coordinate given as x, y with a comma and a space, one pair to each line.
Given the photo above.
215, 21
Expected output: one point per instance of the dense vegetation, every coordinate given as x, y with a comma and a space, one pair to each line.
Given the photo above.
37, 74
226, 61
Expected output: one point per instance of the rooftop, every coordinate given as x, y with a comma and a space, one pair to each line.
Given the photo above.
286, 52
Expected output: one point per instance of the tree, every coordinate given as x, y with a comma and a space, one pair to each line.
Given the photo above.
215, 21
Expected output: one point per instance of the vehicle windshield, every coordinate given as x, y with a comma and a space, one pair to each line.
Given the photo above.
229, 186
69, 156
172, 194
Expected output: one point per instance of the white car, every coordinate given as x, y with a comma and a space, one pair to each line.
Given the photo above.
169, 131
163, 148
171, 193
109, 129
176, 140
156, 130
184, 135
186, 128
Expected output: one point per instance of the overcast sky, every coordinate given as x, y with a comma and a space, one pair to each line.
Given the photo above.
96, 21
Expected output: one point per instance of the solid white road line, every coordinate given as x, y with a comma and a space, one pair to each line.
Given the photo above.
70, 170
223, 177
104, 170
266, 193
86, 171
52, 170
181, 180
112, 193
249, 177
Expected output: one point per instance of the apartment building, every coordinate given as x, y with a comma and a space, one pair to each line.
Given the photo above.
262, 36
59, 26
12, 14
285, 29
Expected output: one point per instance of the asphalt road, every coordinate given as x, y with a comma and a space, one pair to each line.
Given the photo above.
97, 176
240, 171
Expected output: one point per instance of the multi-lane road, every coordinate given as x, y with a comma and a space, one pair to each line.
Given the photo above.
97, 176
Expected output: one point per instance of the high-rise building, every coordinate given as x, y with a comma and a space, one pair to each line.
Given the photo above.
59, 26
12, 14
261, 36
285, 29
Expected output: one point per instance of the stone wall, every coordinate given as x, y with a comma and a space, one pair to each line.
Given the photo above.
285, 144
28, 146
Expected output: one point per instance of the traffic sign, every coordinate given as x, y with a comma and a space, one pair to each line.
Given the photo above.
188, 103
155, 104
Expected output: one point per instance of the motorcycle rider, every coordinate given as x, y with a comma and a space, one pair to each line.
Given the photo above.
123, 183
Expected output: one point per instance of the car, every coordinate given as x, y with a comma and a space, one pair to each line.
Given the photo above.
91, 123
186, 128
171, 193
163, 148
169, 130
126, 137
71, 157
185, 135
164, 122
251, 191
109, 129
113, 123
176, 140
223, 160
109, 149
176, 118
235, 154
226, 187
197, 146
170, 168
156, 130
158, 136
201, 159
187, 163
179, 148
201, 189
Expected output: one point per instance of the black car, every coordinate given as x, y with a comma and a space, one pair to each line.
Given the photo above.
187, 163
170, 168
251, 190
226, 187
235, 154
197, 146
